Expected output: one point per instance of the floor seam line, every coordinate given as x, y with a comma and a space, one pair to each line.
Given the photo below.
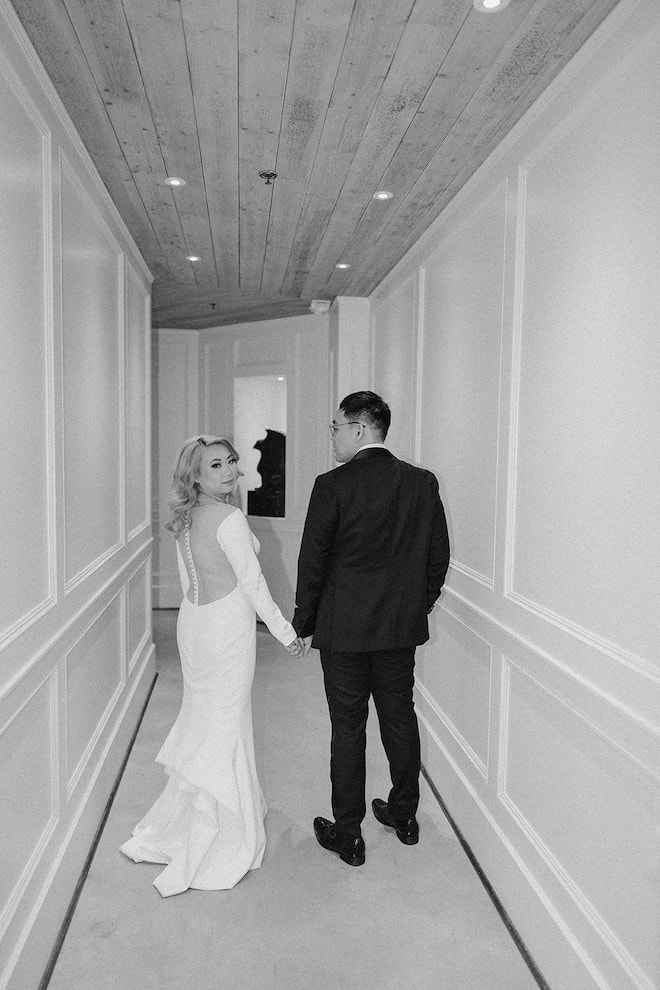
89, 859
488, 887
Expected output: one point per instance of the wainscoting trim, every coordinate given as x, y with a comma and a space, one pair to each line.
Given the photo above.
118, 575
637, 976
18, 891
460, 739
75, 775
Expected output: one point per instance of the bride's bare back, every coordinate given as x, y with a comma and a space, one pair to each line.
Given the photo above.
214, 574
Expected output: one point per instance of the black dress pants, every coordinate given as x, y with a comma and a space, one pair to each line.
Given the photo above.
350, 678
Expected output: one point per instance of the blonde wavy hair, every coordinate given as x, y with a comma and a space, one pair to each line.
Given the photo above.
184, 493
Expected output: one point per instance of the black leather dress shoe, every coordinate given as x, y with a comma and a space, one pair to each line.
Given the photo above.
407, 829
351, 851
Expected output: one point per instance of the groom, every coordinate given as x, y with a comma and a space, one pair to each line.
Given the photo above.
373, 558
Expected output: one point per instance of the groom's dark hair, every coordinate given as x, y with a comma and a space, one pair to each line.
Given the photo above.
370, 408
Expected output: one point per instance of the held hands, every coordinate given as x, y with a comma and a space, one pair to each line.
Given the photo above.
300, 646
296, 649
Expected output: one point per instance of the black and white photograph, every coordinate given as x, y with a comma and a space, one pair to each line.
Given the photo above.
330, 446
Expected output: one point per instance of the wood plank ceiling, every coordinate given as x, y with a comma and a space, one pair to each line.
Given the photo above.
340, 98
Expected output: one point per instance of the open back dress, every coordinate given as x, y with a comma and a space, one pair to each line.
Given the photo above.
208, 824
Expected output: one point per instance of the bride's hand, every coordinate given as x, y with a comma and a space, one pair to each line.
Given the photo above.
295, 648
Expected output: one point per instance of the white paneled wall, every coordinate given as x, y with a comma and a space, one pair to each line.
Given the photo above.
193, 386
522, 332
395, 331
176, 417
76, 652
92, 298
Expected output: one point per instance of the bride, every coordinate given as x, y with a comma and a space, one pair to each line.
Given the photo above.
207, 825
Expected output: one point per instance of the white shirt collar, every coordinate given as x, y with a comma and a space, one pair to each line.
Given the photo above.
368, 445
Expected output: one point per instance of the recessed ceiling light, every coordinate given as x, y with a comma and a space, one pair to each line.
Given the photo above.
490, 6
383, 194
342, 264
172, 180
192, 257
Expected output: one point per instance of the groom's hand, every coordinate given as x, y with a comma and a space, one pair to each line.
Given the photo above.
307, 645
296, 648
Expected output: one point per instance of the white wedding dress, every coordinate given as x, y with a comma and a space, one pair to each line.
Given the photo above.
208, 824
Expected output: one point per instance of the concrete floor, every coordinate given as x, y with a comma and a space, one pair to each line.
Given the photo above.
412, 916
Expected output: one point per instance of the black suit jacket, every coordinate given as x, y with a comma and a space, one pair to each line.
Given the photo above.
374, 554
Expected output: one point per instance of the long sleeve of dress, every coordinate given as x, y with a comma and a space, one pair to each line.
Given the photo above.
236, 541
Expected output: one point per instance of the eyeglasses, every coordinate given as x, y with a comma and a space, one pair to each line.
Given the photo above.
334, 426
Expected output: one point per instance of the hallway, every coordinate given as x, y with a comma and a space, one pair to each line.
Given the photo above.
412, 916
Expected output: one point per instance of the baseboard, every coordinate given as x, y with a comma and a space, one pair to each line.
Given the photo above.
59, 942
504, 915
550, 948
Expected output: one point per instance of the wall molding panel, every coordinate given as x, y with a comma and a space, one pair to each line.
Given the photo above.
63, 634
433, 707
47, 723
649, 781
92, 263
564, 623
472, 575
95, 565
138, 613
550, 766
137, 406
176, 391
33, 930
103, 639
76, 379
634, 725
469, 667
25, 621
638, 664
461, 377
394, 346
28, 178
